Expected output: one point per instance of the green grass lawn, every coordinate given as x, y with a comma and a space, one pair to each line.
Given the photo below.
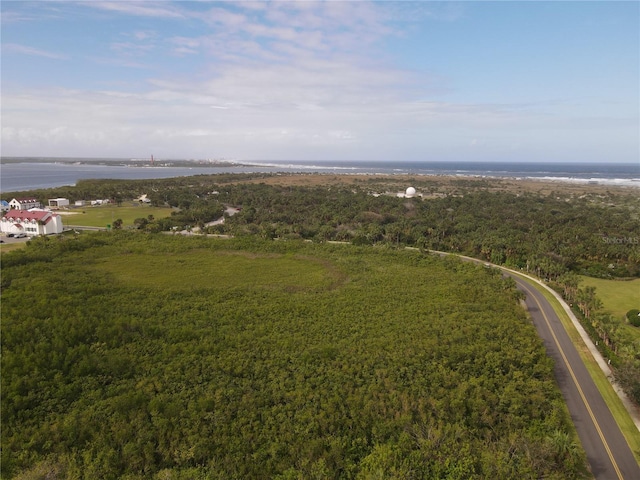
103, 215
7, 247
618, 296
202, 269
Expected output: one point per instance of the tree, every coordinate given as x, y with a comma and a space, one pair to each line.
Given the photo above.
569, 283
141, 223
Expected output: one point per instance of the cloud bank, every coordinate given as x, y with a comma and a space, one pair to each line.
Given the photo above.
261, 80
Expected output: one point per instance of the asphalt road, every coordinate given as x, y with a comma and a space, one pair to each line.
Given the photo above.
10, 240
607, 450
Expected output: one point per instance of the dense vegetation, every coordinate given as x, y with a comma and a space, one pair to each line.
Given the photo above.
151, 356
553, 236
544, 235
547, 235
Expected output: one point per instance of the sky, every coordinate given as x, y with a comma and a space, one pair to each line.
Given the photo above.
336, 80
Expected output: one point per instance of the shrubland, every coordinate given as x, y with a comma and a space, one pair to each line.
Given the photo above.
152, 356
556, 233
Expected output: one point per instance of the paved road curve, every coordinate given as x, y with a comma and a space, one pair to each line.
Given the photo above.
607, 450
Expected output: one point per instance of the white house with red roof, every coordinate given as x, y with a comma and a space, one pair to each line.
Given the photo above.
31, 223
24, 203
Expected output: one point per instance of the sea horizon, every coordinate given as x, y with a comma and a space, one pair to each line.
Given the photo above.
31, 173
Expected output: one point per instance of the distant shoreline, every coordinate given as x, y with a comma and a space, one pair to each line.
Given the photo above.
120, 162
448, 184
35, 173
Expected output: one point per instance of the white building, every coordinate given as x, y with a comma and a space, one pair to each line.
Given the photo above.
24, 203
37, 222
58, 202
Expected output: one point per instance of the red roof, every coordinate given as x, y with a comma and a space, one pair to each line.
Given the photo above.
25, 215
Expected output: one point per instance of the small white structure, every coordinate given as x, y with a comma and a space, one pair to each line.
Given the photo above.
24, 203
80, 203
143, 199
58, 202
410, 192
32, 223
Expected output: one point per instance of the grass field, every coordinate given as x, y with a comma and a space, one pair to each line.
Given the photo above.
7, 247
617, 296
201, 269
103, 215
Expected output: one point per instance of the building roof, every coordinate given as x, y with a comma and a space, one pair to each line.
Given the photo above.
26, 216
26, 200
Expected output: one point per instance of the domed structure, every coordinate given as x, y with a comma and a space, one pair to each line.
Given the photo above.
410, 192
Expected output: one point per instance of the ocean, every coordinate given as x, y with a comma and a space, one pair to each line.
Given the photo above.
21, 174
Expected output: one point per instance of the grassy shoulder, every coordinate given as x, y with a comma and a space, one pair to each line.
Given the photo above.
103, 215
628, 428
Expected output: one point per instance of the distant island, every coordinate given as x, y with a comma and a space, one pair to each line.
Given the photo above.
124, 162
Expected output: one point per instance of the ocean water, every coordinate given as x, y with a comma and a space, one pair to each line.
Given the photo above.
28, 174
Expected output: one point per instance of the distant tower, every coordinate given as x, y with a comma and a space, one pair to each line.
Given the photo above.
152, 160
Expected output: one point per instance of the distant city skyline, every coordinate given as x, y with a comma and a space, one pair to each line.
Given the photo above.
338, 80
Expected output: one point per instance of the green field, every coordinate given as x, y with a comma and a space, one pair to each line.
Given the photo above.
103, 215
8, 247
617, 296
169, 357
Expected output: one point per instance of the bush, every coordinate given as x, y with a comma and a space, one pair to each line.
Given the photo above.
634, 317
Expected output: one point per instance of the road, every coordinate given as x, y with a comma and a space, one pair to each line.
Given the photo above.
607, 450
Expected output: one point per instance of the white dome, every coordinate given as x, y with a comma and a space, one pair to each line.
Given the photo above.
410, 192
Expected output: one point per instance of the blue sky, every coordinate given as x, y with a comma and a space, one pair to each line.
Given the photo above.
339, 80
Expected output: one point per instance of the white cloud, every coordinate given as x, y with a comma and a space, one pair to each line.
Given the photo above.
131, 48
26, 50
224, 17
262, 80
144, 35
123, 61
218, 120
143, 9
